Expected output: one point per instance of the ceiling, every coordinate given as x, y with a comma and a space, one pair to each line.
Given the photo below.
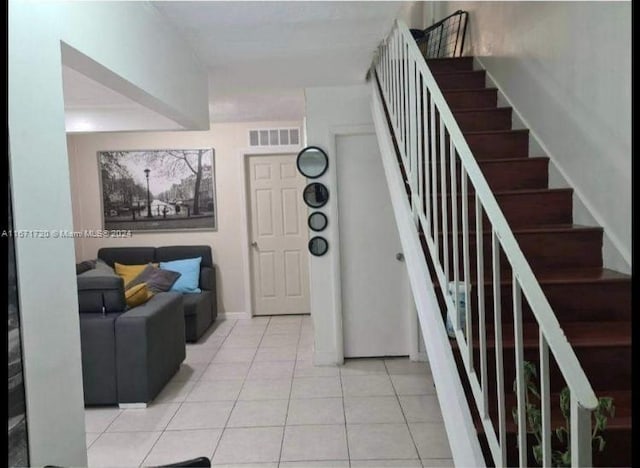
260, 55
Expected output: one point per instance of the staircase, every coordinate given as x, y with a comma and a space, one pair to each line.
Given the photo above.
592, 304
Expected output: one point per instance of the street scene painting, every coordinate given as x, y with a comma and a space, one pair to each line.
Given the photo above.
158, 190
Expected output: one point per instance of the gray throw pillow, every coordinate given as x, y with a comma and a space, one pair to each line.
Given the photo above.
157, 280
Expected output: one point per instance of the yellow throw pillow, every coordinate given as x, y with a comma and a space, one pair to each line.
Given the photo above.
129, 272
138, 294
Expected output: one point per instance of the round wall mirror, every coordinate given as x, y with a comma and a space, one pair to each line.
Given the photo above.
318, 246
312, 162
317, 221
315, 195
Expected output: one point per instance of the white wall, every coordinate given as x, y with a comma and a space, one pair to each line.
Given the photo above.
331, 110
229, 142
566, 67
131, 46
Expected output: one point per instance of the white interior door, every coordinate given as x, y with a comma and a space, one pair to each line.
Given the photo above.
278, 236
375, 293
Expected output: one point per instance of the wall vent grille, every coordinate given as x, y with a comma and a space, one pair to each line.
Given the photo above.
274, 137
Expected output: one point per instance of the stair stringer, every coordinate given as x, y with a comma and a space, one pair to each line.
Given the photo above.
461, 432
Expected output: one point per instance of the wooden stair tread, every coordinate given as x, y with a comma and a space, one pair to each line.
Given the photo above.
522, 191
579, 334
536, 229
468, 90
480, 109
563, 275
496, 132
621, 420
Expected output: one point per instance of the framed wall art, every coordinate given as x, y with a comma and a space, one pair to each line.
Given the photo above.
158, 190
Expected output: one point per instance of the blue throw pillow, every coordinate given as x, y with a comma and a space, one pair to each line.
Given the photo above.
189, 270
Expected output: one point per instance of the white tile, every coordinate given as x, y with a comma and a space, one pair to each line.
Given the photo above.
258, 413
367, 385
315, 411
150, 419
246, 332
285, 320
189, 371
316, 464
421, 408
412, 384
380, 441
176, 446
360, 410
90, 438
115, 449
252, 322
386, 464
249, 445
284, 329
245, 465
316, 387
314, 443
279, 340
304, 354
284, 353
437, 462
200, 354
271, 370
201, 415
242, 341
226, 371
363, 367
98, 419
401, 366
308, 369
174, 392
234, 355
214, 390
431, 440
273, 389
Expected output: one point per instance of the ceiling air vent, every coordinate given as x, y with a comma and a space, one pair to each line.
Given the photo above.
274, 137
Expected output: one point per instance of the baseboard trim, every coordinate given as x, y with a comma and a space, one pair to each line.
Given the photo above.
234, 316
419, 357
132, 405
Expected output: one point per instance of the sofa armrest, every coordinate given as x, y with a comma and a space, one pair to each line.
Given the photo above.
207, 278
98, 289
150, 345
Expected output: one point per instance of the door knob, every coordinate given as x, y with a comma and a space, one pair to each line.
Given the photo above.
400, 257
254, 244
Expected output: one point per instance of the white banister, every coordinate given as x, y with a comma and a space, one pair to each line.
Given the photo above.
427, 133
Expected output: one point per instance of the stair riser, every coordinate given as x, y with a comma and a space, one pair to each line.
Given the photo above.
499, 145
461, 80
471, 99
451, 65
523, 174
498, 119
542, 250
520, 209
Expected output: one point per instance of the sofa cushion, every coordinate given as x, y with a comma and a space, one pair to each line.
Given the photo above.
157, 280
128, 272
194, 301
85, 266
137, 295
127, 255
179, 252
189, 270
99, 288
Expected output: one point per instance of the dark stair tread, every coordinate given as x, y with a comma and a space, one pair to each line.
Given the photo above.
536, 229
459, 72
621, 420
561, 276
496, 132
579, 334
522, 191
480, 109
468, 90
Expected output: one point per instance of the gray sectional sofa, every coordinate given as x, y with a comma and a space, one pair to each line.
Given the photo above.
129, 354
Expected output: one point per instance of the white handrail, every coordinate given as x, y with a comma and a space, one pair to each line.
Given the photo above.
401, 70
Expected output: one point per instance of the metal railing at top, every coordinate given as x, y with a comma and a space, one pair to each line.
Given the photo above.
434, 155
444, 38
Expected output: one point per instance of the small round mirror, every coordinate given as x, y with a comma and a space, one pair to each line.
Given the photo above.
315, 195
312, 162
318, 246
317, 221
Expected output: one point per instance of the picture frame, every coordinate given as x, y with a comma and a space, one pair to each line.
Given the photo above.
158, 190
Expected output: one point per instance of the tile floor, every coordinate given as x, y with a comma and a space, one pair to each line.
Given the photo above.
248, 395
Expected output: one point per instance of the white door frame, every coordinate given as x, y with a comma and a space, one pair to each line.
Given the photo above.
245, 154
335, 132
